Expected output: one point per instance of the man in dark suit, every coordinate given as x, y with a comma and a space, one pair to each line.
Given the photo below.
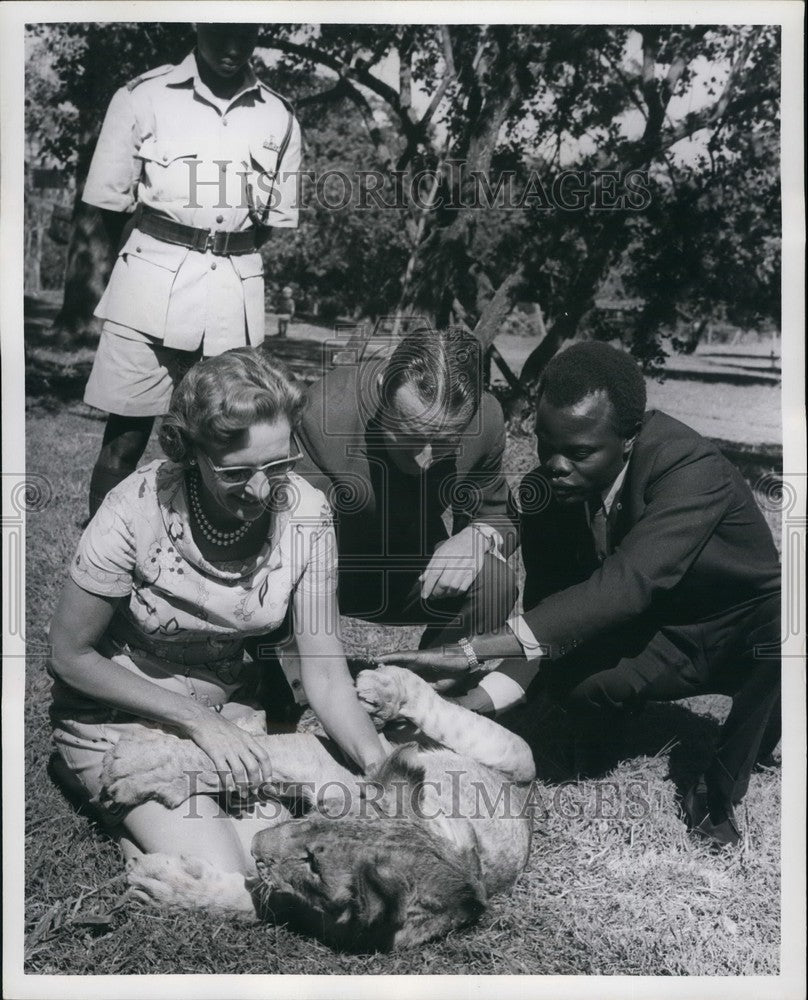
650, 575
395, 443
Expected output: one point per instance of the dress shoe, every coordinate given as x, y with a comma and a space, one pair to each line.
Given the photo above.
721, 829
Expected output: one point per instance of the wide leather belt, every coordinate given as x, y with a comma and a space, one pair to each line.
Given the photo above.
220, 242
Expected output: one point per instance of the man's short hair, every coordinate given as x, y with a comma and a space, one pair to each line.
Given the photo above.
592, 367
444, 367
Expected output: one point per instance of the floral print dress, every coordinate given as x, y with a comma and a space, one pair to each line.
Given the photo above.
182, 619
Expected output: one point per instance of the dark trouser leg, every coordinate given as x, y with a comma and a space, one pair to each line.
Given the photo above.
677, 663
125, 440
755, 713
772, 733
483, 608
392, 597
600, 701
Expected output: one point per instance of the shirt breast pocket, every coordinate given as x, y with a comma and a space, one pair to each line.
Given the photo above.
169, 169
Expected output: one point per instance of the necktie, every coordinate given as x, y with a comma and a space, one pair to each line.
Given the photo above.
600, 531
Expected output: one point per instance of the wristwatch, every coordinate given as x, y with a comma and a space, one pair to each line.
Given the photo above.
468, 651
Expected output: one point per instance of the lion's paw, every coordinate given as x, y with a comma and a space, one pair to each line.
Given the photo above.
135, 771
382, 691
126, 776
187, 882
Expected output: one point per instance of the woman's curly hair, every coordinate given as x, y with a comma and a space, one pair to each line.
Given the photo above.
222, 396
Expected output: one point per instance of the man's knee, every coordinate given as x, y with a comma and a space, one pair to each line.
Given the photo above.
493, 592
607, 691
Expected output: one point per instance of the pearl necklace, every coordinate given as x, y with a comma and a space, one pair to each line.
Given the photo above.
214, 535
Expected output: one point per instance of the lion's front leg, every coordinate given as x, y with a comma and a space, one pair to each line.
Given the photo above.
394, 692
157, 765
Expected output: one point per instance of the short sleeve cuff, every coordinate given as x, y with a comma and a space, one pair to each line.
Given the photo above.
99, 583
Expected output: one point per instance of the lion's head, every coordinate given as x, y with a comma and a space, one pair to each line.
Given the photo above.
379, 882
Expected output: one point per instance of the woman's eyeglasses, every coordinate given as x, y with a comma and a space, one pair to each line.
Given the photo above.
240, 475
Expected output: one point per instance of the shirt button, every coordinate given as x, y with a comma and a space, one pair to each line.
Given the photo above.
224, 121
220, 218
296, 684
213, 266
138, 250
165, 158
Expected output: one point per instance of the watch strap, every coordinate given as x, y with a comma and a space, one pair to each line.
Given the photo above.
468, 652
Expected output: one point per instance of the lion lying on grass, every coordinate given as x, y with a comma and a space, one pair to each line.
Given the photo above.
379, 864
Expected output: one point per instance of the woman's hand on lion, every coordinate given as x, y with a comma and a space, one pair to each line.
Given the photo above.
232, 750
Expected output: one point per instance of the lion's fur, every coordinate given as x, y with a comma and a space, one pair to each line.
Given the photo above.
404, 858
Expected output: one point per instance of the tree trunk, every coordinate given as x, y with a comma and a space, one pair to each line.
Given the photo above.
445, 258
578, 300
497, 309
89, 262
89, 255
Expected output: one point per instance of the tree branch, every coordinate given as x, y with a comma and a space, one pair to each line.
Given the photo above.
405, 71
679, 64
375, 132
498, 308
737, 65
627, 84
648, 85
446, 79
357, 73
335, 93
382, 46
698, 120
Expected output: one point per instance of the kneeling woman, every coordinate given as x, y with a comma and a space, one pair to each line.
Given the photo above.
185, 560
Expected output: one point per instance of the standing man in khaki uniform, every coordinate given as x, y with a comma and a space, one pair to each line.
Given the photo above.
206, 156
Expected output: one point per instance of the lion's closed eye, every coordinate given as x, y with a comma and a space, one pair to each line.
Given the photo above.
311, 860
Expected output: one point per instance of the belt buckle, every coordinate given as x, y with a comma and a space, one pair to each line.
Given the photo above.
202, 240
219, 242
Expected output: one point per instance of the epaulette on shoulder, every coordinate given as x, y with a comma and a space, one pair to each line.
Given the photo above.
284, 101
149, 75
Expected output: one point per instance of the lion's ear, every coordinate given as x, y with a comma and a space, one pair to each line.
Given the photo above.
380, 893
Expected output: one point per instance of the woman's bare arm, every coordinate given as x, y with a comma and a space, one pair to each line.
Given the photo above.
79, 624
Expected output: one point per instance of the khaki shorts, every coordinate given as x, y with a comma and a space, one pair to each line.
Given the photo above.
133, 374
82, 747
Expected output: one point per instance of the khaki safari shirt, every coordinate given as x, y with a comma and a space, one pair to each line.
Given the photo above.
169, 143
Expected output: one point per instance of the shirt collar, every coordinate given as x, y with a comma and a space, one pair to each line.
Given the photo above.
189, 70
610, 495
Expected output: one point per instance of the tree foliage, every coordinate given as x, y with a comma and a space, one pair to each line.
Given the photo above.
528, 100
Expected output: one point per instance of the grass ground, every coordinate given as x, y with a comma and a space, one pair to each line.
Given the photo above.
614, 885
